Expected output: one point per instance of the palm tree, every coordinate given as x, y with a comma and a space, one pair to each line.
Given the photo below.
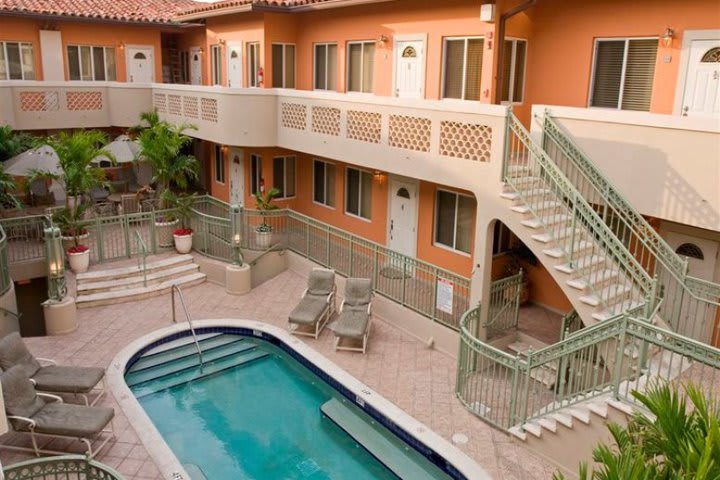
7, 185
148, 120
265, 204
13, 143
682, 441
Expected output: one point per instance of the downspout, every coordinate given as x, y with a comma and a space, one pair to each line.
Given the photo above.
500, 45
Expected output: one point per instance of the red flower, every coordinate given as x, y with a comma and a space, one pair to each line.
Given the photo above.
78, 249
183, 232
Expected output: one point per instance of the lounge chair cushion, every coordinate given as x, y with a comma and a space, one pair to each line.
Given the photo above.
19, 395
14, 352
358, 291
352, 323
67, 379
321, 282
72, 420
309, 310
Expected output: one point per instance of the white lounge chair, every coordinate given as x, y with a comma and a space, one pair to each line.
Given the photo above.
352, 328
45, 415
316, 306
52, 378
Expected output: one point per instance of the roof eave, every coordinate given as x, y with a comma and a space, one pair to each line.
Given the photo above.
84, 19
213, 13
250, 7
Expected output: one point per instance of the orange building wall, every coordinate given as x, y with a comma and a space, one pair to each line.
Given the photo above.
238, 28
13, 29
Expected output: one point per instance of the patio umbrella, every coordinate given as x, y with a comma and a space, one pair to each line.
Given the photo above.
40, 158
123, 148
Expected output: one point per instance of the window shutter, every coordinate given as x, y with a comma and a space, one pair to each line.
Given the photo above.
473, 70
608, 73
639, 74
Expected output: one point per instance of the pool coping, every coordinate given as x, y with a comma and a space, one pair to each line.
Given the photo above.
169, 465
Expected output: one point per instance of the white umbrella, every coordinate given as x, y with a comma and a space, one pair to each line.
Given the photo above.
123, 149
41, 158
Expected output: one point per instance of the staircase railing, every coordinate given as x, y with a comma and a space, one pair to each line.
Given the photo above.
571, 323
583, 238
174, 289
504, 305
142, 253
690, 305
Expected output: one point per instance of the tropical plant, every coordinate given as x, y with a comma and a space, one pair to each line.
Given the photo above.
8, 185
182, 205
265, 203
162, 145
14, 143
148, 120
72, 222
676, 441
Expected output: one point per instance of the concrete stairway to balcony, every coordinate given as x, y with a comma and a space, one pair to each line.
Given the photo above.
119, 285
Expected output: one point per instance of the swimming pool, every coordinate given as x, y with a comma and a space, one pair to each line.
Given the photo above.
262, 409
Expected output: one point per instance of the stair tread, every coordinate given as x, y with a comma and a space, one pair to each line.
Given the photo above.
563, 419
598, 277
533, 428
164, 263
179, 342
183, 351
548, 424
518, 433
581, 263
530, 207
605, 294
616, 309
547, 220
130, 292
580, 413
168, 272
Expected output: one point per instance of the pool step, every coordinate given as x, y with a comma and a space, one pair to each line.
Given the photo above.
188, 349
179, 342
187, 362
195, 373
124, 272
368, 434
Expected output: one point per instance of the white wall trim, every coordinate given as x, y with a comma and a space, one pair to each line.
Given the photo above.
688, 37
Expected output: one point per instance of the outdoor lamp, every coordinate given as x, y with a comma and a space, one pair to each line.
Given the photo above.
235, 213
56, 265
667, 36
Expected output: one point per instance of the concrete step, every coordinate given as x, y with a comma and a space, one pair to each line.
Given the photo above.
137, 293
124, 272
525, 182
549, 424
517, 432
547, 221
563, 419
158, 276
620, 406
598, 278
518, 171
580, 413
599, 409
606, 295
556, 234
583, 263
615, 310
533, 428
536, 207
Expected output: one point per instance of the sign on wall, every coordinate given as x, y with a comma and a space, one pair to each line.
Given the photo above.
444, 295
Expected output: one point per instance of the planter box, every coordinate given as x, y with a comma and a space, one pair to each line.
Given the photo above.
183, 243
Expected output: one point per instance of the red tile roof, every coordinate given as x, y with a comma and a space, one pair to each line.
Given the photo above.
145, 11
200, 8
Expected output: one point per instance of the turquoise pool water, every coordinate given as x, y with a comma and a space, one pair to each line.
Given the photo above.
262, 420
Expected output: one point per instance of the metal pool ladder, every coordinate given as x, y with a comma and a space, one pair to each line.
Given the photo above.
176, 288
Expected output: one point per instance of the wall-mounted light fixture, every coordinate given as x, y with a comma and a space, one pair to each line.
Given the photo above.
379, 176
667, 37
382, 40
221, 41
121, 47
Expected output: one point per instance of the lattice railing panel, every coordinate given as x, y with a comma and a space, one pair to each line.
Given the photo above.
294, 115
84, 101
174, 105
410, 133
160, 102
326, 120
39, 101
190, 107
209, 109
364, 126
470, 141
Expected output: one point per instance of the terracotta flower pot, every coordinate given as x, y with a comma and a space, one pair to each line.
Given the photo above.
79, 261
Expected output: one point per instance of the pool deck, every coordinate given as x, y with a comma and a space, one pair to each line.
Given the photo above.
398, 366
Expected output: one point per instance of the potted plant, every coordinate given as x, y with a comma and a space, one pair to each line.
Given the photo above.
519, 258
264, 203
162, 145
73, 228
183, 207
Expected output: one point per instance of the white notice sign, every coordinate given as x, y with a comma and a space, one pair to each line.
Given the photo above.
444, 295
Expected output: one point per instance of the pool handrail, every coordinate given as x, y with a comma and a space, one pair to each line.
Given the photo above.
176, 288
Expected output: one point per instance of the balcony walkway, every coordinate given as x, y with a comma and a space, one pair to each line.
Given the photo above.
399, 367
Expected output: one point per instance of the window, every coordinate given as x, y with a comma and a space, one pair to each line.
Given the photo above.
216, 64
358, 193
255, 173
326, 66
454, 218
361, 58
283, 64
219, 165
324, 183
284, 176
16, 61
463, 68
623, 73
253, 59
690, 250
91, 63
513, 70
184, 67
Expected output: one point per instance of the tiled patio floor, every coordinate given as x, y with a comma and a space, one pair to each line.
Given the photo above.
419, 380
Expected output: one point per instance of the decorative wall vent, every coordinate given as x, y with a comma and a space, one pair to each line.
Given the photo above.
326, 120
84, 101
174, 105
294, 115
190, 107
209, 109
470, 141
39, 101
364, 126
160, 102
410, 133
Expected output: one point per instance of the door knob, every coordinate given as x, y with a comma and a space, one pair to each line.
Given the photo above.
685, 111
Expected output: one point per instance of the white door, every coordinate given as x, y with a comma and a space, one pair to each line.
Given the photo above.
237, 179
702, 88
409, 65
403, 216
140, 64
700, 252
195, 66
235, 66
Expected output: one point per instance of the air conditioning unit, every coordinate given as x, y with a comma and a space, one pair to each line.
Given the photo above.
487, 12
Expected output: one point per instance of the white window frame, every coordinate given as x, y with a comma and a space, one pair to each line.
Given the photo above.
219, 165
360, 198
256, 175
285, 176
624, 68
464, 73
436, 223
362, 68
315, 59
252, 70
216, 65
3, 45
284, 70
92, 61
511, 78
325, 183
